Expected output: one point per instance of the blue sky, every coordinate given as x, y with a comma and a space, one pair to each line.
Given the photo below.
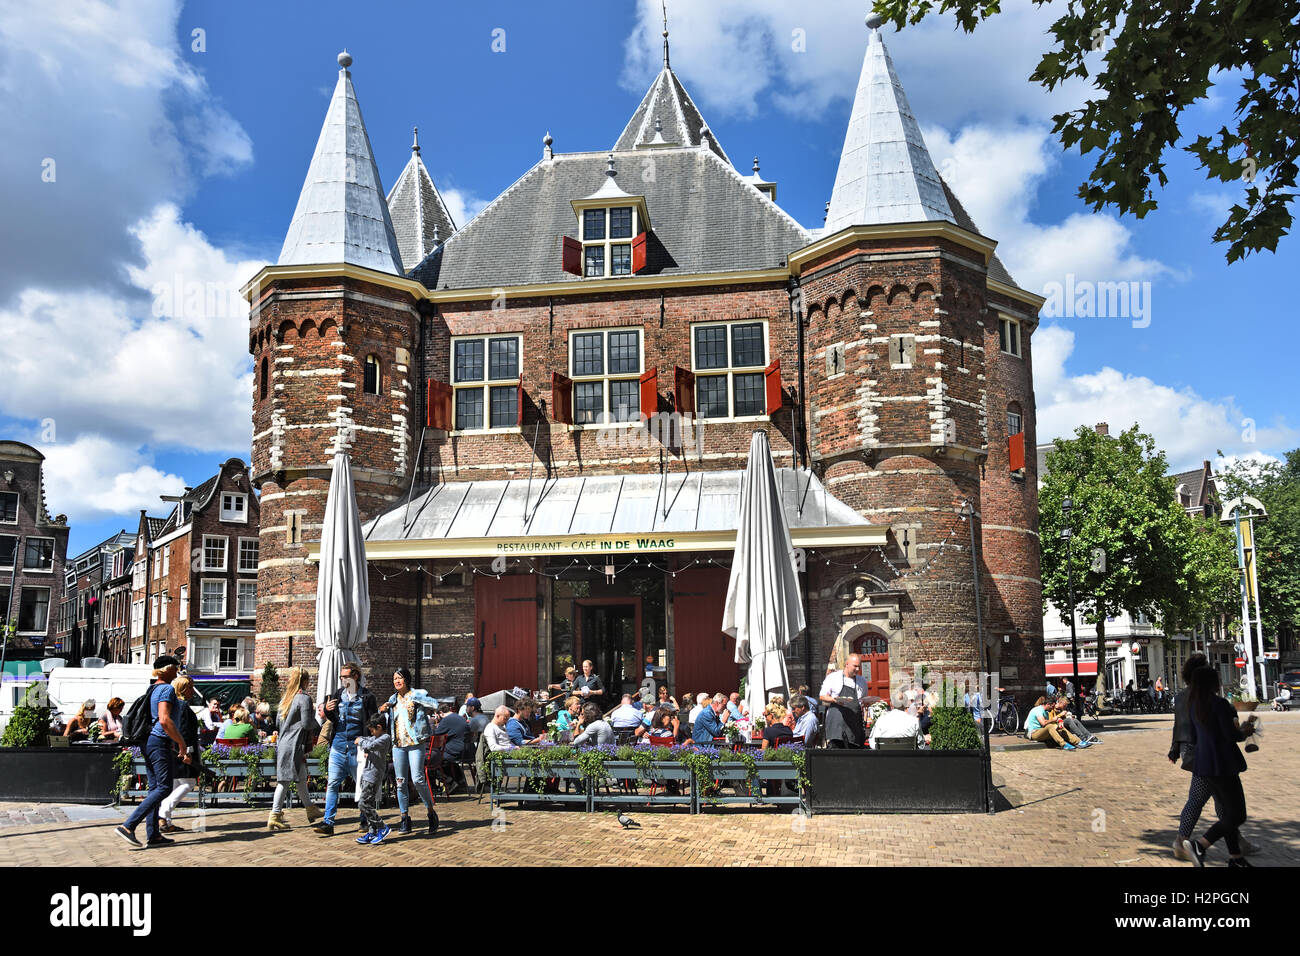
176, 165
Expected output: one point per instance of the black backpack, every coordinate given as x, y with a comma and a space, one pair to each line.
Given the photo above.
139, 719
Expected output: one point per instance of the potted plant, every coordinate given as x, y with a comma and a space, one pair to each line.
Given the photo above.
1241, 697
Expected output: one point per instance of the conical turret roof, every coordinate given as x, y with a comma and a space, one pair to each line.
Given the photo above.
885, 173
420, 217
341, 215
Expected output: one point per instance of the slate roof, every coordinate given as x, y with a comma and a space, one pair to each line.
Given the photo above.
667, 102
961, 217
156, 526
704, 217
420, 217
341, 214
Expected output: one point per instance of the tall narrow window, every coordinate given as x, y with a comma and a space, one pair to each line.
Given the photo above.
372, 375
1009, 336
263, 381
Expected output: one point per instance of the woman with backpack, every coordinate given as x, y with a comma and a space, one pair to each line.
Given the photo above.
191, 765
158, 711
297, 723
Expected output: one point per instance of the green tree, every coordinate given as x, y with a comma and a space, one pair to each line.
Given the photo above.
269, 690
1159, 561
1150, 64
1277, 486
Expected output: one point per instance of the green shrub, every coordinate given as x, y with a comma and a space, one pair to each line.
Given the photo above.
270, 689
954, 729
30, 724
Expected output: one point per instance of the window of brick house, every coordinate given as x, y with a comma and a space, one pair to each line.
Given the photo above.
214, 553
212, 601
607, 236
248, 550
39, 554
1009, 336
185, 603
234, 508
34, 611
605, 366
373, 377
1014, 422
729, 359
485, 379
8, 548
263, 383
8, 507
246, 600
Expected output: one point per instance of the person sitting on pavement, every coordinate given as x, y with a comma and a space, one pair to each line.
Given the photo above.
495, 732
805, 721
736, 708
895, 723
519, 727
708, 726
596, 731
1061, 710
1043, 727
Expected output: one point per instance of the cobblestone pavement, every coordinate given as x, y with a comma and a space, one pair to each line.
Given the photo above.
1115, 804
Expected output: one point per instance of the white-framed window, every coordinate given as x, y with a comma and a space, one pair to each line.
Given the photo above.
729, 359
8, 507
157, 566
34, 611
606, 367
234, 507
137, 618
1009, 335
607, 236
38, 554
214, 552
372, 375
212, 602
248, 548
1014, 423
217, 654
185, 603
153, 611
164, 599
139, 573
485, 376
9, 549
167, 560
246, 600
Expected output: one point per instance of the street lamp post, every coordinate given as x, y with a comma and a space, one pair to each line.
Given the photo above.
1067, 507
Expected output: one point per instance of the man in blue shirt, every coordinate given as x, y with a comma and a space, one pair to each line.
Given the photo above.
736, 708
164, 709
348, 708
709, 724
518, 725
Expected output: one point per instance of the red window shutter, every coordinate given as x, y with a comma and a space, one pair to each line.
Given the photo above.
684, 388
519, 396
571, 260
638, 253
772, 379
1016, 451
561, 398
650, 393
438, 405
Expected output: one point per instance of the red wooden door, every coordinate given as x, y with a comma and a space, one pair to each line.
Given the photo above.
874, 650
505, 642
704, 659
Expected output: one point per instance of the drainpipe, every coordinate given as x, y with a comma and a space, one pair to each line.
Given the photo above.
797, 314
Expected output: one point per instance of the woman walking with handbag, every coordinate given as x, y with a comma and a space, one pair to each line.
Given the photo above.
1215, 735
297, 723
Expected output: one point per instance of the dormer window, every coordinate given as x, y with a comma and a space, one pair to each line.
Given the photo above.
602, 252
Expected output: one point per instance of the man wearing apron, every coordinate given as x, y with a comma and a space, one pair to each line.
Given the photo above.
843, 693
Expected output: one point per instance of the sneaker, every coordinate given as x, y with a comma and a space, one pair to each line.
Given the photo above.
405, 825
324, 829
366, 837
1239, 861
170, 827
1196, 851
378, 838
1094, 739
127, 835
1068, 747
1082, 745
1179, 852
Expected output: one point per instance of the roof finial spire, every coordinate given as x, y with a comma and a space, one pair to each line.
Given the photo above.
755, 165
415, 142
547, 152
664, 4
609, 167
875, 21
345, 59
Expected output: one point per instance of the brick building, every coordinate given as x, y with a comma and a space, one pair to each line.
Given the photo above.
548, 410
33, 548
79, 628
194, 577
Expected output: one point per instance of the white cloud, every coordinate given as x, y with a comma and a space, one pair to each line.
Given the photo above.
93, 478
166, 366
1213, 205
1187, 426
462, 205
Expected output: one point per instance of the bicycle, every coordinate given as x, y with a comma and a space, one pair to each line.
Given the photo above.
1007, 718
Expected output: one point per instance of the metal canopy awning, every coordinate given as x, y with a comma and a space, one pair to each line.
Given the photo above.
600, 515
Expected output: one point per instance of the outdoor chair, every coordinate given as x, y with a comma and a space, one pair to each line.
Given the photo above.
895, 743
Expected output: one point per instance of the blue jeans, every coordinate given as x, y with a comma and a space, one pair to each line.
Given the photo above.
343, 764
408, 764
158, 758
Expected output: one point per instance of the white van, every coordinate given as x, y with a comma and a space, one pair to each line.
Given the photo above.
70, 686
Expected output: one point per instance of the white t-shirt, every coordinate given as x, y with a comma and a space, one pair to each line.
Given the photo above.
836, 682
497, 737
695, 712
895, 723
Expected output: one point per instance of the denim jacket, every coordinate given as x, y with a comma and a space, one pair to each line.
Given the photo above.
424, 705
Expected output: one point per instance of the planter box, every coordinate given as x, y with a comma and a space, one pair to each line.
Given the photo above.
655, 777
82, 773
1245, 705
898, 781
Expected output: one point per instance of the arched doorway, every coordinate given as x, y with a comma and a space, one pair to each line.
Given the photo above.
873, 648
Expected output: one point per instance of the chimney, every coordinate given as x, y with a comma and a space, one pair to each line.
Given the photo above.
1103, 428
